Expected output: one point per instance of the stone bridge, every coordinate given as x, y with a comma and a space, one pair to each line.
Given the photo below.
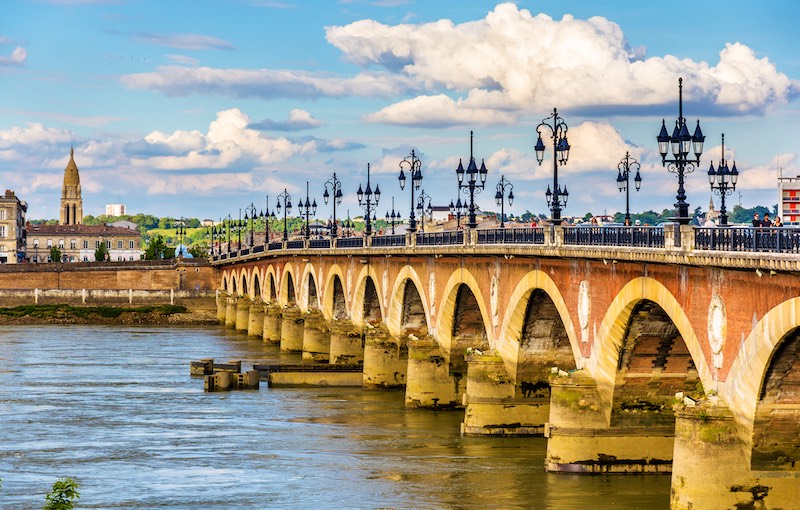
632, 350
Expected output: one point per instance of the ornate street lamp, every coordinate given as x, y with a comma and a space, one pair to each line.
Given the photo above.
624, 169
368, 200
472, 186
723, 183
557, 198
268, 216
286, 200
180, 233
307, 209
459, 209
336, 189
681, 142
423, 206
250, 220
392, 217
415, 170
347, 226
500, 197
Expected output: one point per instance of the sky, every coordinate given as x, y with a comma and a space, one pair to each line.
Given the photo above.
201, 108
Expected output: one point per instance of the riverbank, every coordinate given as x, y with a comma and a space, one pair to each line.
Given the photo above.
104, 315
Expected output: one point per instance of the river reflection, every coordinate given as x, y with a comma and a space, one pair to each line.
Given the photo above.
115, 408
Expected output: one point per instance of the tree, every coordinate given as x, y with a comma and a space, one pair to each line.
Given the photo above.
101, 252
55, 254
60, 498
198, 251
155, 248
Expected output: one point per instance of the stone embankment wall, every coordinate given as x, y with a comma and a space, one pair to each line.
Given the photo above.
126, 283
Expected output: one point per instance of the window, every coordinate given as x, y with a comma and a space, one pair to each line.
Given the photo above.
96, 245
49, 243
85, 245
2, 230
120, 259
2, 214
61, 243
108, 244
131, 258
86, 259
130, 245
72, 244
119, 245
35, 243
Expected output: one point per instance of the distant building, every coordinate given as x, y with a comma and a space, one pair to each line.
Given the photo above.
207, 223
438, 213
12, 228
78, 242
115, 209
789, 200
124, 224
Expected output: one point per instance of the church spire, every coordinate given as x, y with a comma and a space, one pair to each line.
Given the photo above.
71, 202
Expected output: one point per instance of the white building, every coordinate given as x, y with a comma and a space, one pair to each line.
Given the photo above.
115, 209
789, 200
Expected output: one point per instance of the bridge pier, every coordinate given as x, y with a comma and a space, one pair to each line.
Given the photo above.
292, 320
429, 383
316, 338
222, 305
712, 465
491, 406
347, 343
580, 439
385, 359
230, 311
272, 324
242, 313
255, 321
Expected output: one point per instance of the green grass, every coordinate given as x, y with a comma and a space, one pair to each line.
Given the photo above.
63, 310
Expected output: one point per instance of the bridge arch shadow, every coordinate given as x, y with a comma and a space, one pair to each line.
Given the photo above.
256, 293
408, 309
463, 320
288, 289
334, 301
270, 294
309, 289
367, 306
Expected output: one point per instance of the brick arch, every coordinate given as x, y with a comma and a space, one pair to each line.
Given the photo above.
331, 306
224, 281
288, 286
603, 362
309, 289
257, 289
393, 317
514, 319
360, 300
270, 289
744, 385
447, 321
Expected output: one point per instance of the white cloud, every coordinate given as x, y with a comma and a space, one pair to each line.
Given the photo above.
298, 120
185, 41
17, 57
438, 111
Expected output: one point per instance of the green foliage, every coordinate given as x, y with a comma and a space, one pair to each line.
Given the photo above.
55, 254
156, 248
199, 251
741, 215
101, 252
85, 312
64, 491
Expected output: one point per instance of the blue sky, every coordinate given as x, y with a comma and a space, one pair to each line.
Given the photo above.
192, 108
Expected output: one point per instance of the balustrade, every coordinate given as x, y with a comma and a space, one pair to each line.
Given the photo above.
388, 241
642, 237
511, 236
447, 237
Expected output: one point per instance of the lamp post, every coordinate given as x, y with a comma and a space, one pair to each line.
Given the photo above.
423, 206
680, 142
286, 199
415, 170
557, 198
307, 209
500, 197
347, 226
249, 221
458, 209
624, 169
393, 216
268, 216
723, 183
180, 233
472, 185
225, 228
366, 202
336, 190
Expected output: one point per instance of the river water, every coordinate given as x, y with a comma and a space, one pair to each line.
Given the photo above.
115, 409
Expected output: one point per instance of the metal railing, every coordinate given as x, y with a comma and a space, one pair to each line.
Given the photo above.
258, 249
275, 245
319, 243
642, 237
350, 242
511, 236
771, 239
244, 251
388, 241
297, 244
447, 237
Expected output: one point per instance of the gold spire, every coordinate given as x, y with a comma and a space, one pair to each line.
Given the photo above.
71, 177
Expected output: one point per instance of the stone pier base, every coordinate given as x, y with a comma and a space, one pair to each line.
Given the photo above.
230, 312
429, 383
222, 306
347, 343
242, 313
711, 468
255, 321
316, 338
385, 360
273, 317
292, 320
491, 407
580, 439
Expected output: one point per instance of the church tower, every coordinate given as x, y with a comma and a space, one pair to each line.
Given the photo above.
71, 202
